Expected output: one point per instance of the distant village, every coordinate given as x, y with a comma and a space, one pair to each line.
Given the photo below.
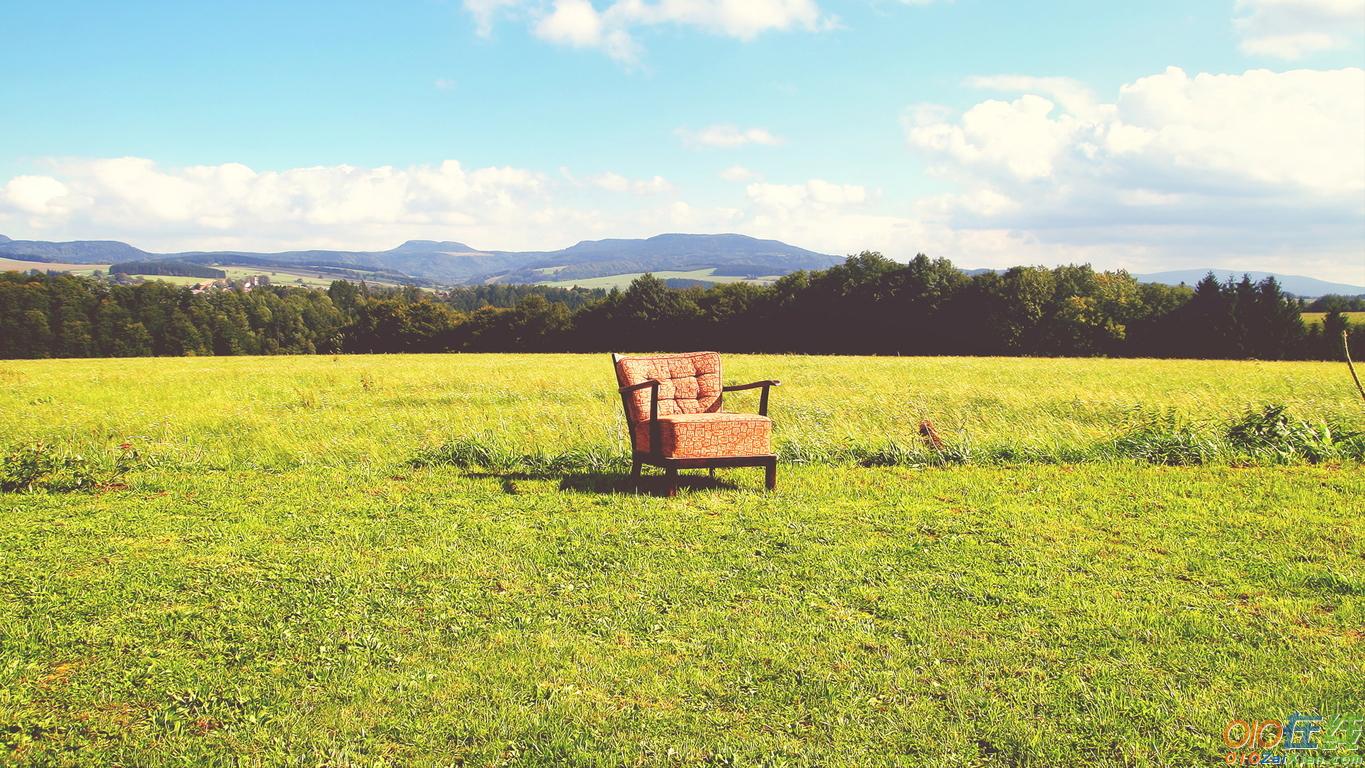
226, 283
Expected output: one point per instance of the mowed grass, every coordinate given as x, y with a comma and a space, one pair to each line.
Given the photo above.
275, 583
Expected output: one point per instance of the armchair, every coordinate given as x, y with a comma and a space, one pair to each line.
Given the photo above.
673, 406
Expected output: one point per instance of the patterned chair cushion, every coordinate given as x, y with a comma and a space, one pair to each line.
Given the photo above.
688, 383
705, 435
691, 424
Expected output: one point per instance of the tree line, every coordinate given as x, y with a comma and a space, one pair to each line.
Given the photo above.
867, 305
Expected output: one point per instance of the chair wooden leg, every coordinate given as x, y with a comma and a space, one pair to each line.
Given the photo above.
635, 474
671, 482
770, 475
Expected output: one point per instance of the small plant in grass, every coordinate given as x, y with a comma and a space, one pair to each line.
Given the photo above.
1165, 438
1273, 434
593, 459
898, 454
486, 452
42, 467
308, 399
892, 454
794, 450
469, 452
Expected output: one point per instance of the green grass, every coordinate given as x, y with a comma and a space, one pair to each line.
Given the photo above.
1316, 318
277, 577
623, 281
297, 278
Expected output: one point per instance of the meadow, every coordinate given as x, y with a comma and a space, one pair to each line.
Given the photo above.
17, 265
1316, 318
434, 560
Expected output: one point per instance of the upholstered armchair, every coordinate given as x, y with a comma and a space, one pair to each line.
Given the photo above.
674, 415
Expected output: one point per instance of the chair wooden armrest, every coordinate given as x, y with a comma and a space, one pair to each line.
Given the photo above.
763, 399
653, 385
755, 385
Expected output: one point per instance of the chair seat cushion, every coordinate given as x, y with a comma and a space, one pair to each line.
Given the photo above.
708, 435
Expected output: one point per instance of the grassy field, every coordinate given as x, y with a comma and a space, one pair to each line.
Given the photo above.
295, 561
17, 265
278, 276
1315, 318
623, 281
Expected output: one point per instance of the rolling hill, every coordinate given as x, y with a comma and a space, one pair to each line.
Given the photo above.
428, 262
703, 258
1299, 285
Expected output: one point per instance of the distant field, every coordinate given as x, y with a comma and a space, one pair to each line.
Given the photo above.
278, 276
1315, 318
7, 265
299, 278
623, 281
296, 568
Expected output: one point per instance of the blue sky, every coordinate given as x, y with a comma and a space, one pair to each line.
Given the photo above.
1147, 136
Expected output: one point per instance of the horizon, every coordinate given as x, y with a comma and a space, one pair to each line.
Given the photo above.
1219, 272
1152, 139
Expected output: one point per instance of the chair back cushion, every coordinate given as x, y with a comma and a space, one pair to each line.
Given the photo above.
688, 383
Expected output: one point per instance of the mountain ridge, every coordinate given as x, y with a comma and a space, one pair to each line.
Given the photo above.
452, 263
447, 262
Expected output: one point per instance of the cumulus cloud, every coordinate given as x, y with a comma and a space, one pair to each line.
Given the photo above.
1178, 167
615, 182
727, 136
610, 26
40, 195
1292, 29
737, 173
485, 12
816, 192
232, 205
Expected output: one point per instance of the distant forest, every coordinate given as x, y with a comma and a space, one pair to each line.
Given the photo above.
169, 268
868, 305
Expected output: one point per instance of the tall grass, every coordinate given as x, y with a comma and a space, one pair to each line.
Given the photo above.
542, 414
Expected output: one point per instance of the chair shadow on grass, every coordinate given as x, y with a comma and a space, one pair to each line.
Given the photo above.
609, 483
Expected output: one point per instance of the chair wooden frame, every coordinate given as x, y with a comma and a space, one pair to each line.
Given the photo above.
670, 465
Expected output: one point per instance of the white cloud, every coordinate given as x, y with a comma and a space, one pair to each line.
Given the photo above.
615, 182
1177, 170
232, 205
737, 173
1292, 29
1071, 95
573, 22
39, 195
611, 26
486, 11
726, 136
444, 84
741, 19
790, 198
